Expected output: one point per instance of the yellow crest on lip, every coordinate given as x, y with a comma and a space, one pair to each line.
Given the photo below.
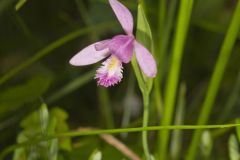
113, 63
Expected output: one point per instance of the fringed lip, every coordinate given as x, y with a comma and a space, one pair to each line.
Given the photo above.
110, 73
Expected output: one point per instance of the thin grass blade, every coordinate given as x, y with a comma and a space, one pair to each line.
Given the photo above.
216, 79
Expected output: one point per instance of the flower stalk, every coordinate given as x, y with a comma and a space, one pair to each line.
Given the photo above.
145, 124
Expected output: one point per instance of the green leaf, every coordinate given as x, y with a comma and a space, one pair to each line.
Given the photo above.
20, 153
96, 155
144, 36
60, 116
233, 148
37, 124
31, 123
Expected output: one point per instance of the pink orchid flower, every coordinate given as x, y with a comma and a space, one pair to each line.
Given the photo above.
117, 50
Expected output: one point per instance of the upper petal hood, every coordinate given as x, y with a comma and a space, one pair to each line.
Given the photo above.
145, 60
89, 55
122, 47
124, 16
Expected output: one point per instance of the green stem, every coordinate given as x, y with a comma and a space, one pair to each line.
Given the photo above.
217, 76
112, 131
145, 124
171, 89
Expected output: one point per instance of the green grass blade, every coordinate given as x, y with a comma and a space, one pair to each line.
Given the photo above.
71, 86
176, 141
113, 131
217, 76
171, 88
48, 49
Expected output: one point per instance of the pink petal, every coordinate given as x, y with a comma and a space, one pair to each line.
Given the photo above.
102, 45
89, 55
145, 60
124, 16
122, 47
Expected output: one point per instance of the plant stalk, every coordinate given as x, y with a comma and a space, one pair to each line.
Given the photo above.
145, 124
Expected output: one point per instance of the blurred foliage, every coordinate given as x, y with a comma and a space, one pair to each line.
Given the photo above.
28, 26
42, 123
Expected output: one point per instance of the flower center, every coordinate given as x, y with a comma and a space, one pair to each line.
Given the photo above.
114, 62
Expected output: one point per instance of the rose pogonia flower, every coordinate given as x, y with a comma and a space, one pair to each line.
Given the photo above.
117, 50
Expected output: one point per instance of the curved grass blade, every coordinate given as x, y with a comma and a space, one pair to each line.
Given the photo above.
216, 79
48, 49
71, 86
